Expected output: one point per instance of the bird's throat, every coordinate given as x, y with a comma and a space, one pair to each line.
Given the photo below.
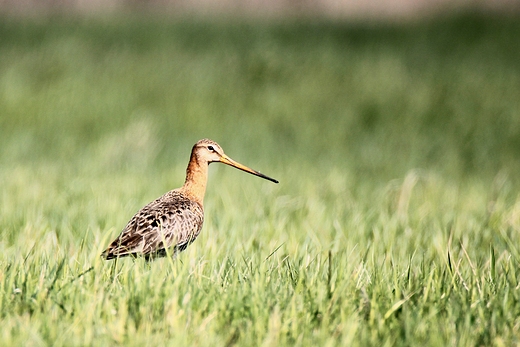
196, 180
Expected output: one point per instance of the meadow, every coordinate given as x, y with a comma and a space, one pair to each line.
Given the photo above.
396, 221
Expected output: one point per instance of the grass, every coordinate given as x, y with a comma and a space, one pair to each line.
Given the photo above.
397, 147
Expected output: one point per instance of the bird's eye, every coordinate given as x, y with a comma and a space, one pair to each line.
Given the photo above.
211, 148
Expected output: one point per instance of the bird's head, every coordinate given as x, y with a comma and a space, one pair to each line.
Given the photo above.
208, 151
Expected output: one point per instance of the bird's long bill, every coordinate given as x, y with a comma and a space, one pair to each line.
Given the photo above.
227, 160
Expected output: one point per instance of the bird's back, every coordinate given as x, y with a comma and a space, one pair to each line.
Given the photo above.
172, 221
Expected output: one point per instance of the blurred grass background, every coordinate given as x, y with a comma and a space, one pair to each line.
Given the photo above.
371, 99
389, 140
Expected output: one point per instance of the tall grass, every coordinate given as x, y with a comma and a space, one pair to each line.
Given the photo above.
396, 220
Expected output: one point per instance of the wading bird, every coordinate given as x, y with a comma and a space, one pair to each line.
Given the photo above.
174, 220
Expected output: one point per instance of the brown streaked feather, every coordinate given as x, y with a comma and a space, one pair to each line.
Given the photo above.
172, 221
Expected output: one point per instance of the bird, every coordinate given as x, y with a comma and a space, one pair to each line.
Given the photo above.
172, 222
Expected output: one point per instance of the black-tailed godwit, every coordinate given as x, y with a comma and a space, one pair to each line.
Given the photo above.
174, 220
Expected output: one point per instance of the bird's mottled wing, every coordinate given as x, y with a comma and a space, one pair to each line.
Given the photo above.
171, 221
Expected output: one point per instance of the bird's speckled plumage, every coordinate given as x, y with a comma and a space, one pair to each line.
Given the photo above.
174, 220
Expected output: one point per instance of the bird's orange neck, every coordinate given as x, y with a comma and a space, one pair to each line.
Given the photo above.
196, 179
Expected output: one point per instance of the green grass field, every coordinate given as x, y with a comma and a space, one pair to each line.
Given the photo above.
396, 221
